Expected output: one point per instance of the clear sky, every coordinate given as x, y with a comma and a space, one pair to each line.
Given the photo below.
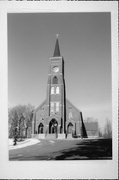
85, 44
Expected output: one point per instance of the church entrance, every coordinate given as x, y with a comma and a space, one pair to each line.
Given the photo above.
53, 126
70, 128
40, 128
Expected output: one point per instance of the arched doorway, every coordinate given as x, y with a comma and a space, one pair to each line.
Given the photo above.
40, 128
70, 128
53, 126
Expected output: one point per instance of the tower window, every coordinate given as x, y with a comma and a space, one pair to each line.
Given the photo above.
55, 80
57, 106
52, 90
57, 90
52, 107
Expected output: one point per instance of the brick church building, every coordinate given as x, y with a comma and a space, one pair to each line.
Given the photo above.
56, 116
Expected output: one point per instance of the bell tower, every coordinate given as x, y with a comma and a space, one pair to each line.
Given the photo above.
57, 117
56, 96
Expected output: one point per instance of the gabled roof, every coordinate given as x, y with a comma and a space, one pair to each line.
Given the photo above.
43, 103
68, 102
57, 49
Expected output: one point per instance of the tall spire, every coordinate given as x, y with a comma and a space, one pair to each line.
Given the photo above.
57, 49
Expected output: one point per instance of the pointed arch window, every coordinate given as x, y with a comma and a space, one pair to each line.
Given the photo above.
55, 80
57, 106
52, 107
52, 90
57, 90
40, 128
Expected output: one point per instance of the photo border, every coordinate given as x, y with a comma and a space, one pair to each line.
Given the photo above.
81, 169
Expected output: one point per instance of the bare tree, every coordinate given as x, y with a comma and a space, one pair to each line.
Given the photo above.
100, 133
20, 116
28, 115
108, 129
13, 121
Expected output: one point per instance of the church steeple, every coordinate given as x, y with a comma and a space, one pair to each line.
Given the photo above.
57, 49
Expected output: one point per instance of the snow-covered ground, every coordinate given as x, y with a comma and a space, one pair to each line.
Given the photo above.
27, 142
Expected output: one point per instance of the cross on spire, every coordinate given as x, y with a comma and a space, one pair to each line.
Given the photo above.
57, 49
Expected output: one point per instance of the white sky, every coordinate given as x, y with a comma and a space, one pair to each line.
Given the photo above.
85, 44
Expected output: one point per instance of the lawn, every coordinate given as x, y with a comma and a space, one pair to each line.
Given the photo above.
78, 149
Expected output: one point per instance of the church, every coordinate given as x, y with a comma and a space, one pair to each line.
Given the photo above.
57, 117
